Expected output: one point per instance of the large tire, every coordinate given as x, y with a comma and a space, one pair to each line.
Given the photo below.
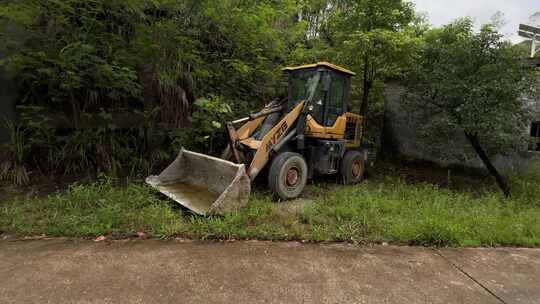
288, 175
352, 167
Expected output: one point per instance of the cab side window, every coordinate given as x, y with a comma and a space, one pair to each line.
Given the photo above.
334, 107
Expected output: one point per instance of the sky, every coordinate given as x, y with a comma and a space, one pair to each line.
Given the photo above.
515, 12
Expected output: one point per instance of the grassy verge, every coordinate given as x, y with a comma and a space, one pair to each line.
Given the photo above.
387, 209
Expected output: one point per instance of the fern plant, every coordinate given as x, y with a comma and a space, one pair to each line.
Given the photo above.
13, 168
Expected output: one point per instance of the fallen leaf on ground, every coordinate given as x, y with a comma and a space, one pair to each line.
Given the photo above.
100, 238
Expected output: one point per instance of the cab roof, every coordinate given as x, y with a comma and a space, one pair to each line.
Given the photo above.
320, 64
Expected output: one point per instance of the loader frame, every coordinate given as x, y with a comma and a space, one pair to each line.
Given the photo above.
310, 133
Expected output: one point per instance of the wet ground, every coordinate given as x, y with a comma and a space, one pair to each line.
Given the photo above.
152, 271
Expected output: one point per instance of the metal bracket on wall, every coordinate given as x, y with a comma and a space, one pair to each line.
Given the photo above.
533, 33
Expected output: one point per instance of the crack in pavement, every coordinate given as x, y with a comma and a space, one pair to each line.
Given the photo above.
439, 253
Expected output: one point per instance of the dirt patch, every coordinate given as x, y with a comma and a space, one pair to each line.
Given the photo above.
415, 172
295, 206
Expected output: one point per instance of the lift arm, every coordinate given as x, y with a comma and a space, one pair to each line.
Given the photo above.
273, 138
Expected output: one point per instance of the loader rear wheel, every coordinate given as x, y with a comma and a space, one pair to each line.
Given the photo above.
288, 175
352, 167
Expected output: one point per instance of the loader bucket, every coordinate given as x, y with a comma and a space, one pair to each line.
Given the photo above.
204, 184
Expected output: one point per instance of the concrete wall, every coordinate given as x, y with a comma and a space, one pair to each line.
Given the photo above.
403, 136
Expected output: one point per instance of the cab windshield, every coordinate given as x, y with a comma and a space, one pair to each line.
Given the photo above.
304, 85
324, 91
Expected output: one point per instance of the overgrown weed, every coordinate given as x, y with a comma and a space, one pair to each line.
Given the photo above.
382, 210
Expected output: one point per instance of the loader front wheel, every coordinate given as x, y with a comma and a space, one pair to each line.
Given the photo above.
288, 175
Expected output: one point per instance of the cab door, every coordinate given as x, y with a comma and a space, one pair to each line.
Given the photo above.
336, 103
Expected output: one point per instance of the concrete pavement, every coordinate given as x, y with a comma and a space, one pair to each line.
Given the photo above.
153, 271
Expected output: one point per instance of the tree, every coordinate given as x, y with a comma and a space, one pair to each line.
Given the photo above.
475, 83
498, 20
534, 19
376, 39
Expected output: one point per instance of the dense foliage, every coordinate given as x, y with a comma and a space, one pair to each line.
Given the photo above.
121, 80
84, 55
120, 74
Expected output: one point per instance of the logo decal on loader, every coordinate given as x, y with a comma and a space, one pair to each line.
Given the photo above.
273, 141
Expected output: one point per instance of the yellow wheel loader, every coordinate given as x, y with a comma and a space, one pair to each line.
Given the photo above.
311, 133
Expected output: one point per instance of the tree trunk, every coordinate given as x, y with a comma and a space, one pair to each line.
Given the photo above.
76, 112
501, 181
365, 97
366, 88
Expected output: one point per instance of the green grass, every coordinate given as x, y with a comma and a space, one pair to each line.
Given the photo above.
424, 215
379, 210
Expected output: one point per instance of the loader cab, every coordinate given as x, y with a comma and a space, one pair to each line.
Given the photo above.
324, 86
